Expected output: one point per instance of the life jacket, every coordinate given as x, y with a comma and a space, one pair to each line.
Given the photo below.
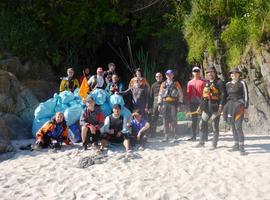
70, 84
170, 90
211, 90
116, 123
92, 117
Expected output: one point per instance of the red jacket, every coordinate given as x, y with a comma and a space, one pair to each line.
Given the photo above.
195, 89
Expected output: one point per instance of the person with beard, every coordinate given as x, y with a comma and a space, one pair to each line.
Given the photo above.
236, 107
213, 100
69, 83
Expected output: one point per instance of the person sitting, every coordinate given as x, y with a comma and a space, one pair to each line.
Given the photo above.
86, 74
52, 133
139, 129
115, 86
91, 120
97, 80
115, 129
69, 83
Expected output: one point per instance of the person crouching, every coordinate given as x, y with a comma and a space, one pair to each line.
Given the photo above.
115, 129
53, 133
91, 121
139, 128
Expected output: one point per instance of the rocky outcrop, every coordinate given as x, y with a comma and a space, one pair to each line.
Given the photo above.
16, 99
41, 89
5, 145
256, 66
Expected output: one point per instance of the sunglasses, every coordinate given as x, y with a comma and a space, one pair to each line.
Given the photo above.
196, 71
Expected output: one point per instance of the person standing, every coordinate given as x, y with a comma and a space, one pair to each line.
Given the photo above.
140, 96
170, 98
214, 96
236, 107
69, 83
97, 81
194, 96
86, 74
109, 73
153, 103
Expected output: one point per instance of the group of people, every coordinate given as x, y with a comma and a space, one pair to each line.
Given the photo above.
207, 98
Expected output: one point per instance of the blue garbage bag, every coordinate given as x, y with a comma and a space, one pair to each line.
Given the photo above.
125, 112
106, 109
116, 99
60, 108
66, 97
37, 124
72, 114
99, 96
46, 109
74, 133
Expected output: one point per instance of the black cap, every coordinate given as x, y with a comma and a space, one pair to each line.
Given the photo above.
235, 70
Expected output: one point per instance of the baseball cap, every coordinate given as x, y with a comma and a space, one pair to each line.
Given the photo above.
169, 71
196, 68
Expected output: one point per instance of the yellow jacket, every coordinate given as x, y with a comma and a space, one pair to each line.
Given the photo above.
65, 84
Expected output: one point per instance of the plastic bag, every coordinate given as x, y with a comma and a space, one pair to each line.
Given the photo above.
37, 124
66, 97
106, 109
99, 96
72, 114
117, 99
46, 109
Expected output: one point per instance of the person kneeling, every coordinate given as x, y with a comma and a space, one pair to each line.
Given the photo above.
52, 133
139, 127
115, 129
91, 121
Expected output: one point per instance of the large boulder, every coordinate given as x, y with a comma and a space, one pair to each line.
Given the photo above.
5, 145
16, 127
17, 100
41, 89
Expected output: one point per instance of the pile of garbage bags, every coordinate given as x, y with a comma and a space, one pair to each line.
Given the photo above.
71, 105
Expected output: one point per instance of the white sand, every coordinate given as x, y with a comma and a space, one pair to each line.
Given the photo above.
163, 171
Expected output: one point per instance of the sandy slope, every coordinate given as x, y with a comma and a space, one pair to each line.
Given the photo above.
163, 171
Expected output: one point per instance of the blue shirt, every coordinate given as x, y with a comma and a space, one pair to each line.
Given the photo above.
137, 126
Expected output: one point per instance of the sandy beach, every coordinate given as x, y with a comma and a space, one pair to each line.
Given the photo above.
162, 171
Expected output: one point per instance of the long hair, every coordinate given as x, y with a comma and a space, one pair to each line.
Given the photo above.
63, 123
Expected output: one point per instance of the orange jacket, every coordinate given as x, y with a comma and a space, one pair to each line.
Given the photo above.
143, 82
49, 126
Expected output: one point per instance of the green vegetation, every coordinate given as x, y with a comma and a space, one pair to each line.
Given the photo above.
74, 32
238, 24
